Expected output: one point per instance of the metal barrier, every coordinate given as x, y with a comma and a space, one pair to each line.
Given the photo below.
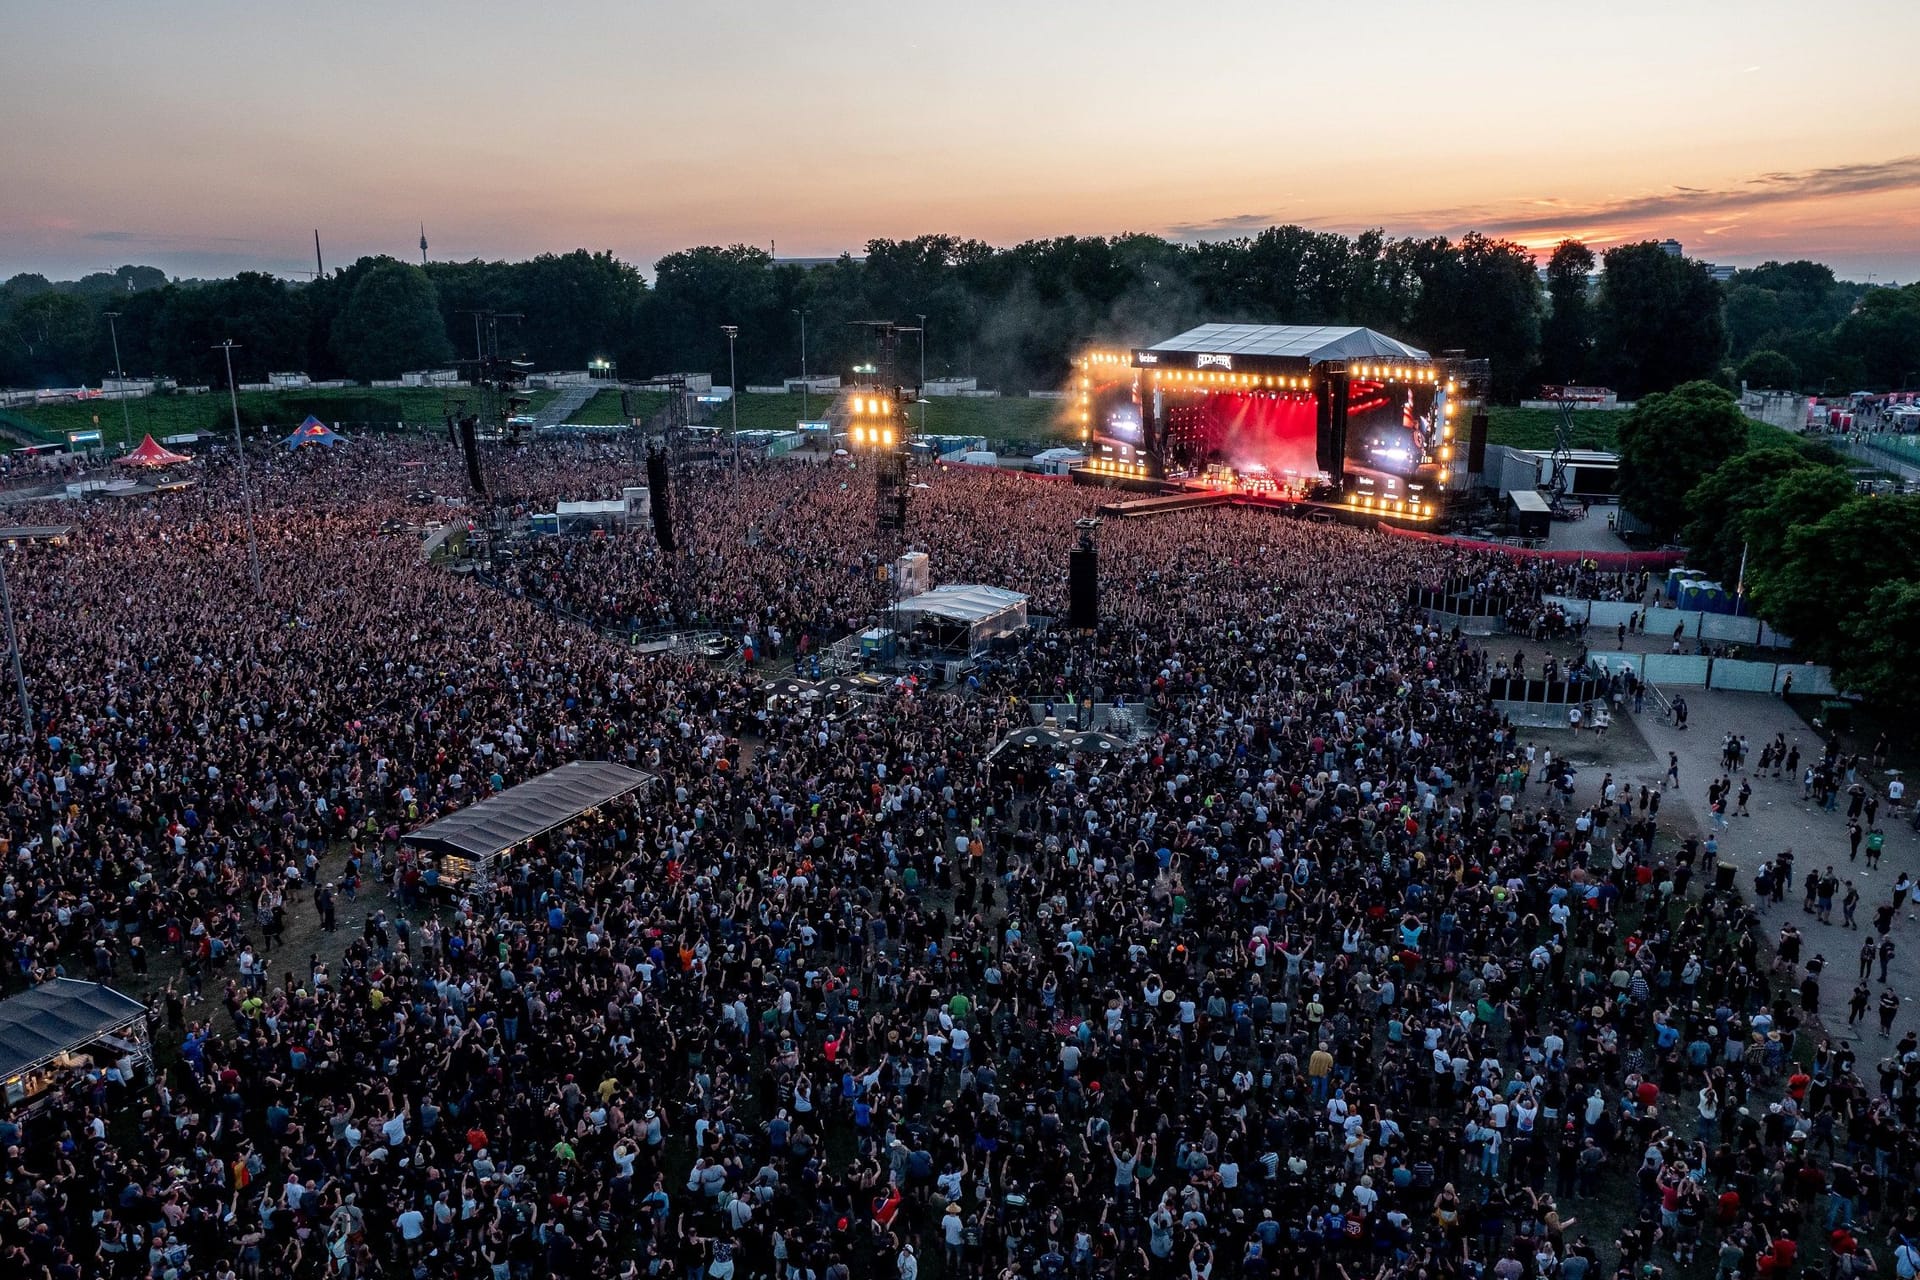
1737, 675
1525, 689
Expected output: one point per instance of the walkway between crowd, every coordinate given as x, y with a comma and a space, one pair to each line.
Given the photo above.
1782, 820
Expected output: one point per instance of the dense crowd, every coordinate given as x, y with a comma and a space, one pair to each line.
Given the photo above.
1328, 974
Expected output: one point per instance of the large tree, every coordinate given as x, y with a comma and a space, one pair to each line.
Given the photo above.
1880, 340
1883, 649
1671, 441
1821, 588
1717, 507
1566, 335
1659, 320
391, 323
1769, 371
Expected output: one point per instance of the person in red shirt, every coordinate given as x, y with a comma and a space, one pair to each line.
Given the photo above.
1780, 1253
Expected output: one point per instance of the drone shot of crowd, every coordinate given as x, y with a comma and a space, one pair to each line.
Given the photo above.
1033, 642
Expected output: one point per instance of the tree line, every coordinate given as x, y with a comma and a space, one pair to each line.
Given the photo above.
1833, 567
1633, 318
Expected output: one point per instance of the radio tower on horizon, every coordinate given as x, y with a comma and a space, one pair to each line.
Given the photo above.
423, 244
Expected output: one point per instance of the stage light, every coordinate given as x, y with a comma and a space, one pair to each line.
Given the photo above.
1450, 408
886, 437
859, 435
1446, 453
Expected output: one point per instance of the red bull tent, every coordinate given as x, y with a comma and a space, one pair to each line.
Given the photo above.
313, 431
150, 454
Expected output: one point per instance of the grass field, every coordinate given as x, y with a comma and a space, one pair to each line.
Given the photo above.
160, 416
1038, 422
1593, 429
604, 409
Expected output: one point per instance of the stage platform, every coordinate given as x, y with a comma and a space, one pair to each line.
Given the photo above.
1165, 504
1170, 497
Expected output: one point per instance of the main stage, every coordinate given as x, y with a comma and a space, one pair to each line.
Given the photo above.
1337, 418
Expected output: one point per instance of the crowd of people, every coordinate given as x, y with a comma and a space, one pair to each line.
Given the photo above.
1328, 974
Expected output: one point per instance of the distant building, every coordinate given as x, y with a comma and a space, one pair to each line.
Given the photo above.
1671, 248
1720, 271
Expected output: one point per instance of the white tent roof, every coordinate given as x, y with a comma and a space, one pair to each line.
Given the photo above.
1058, 455
963, 602
607, 507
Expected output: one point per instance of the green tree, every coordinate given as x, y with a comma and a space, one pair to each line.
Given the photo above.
1566, 335
1795, 499
48, 339
1820, 588
1671, 441
1883, 649
1882, 336
1659, 320
1718, 506
1769, 371
391, 323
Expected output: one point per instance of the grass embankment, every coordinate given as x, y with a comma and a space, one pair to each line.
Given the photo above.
604, 409
171, 415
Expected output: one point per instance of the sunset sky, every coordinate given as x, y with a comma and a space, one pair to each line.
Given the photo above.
205, 136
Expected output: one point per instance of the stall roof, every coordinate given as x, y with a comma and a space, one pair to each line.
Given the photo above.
56, 1016
1528, 500
1310, 343
963, 602
533, 808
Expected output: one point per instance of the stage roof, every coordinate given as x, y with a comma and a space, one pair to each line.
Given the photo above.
533, 808
1289, 344
46, 1021
963, 602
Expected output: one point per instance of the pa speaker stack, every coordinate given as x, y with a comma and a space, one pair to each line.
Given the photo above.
657, 499
470, 445
1083, 588
1477, 443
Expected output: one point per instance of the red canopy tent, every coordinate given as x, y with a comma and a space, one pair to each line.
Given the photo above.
150, 454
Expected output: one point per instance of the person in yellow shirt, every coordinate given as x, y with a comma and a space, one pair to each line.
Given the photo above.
1319, 1069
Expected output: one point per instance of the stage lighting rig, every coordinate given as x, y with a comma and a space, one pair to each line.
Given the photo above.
877, 418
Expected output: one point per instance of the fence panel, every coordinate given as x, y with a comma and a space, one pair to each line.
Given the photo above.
1745, 677
1661, 621
1807, 678
1613, 662
1675, 668
1727, 627
1610, 613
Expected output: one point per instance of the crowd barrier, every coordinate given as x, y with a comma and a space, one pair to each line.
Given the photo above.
1460, 604
1602, 615
1524, 689
1731, 674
